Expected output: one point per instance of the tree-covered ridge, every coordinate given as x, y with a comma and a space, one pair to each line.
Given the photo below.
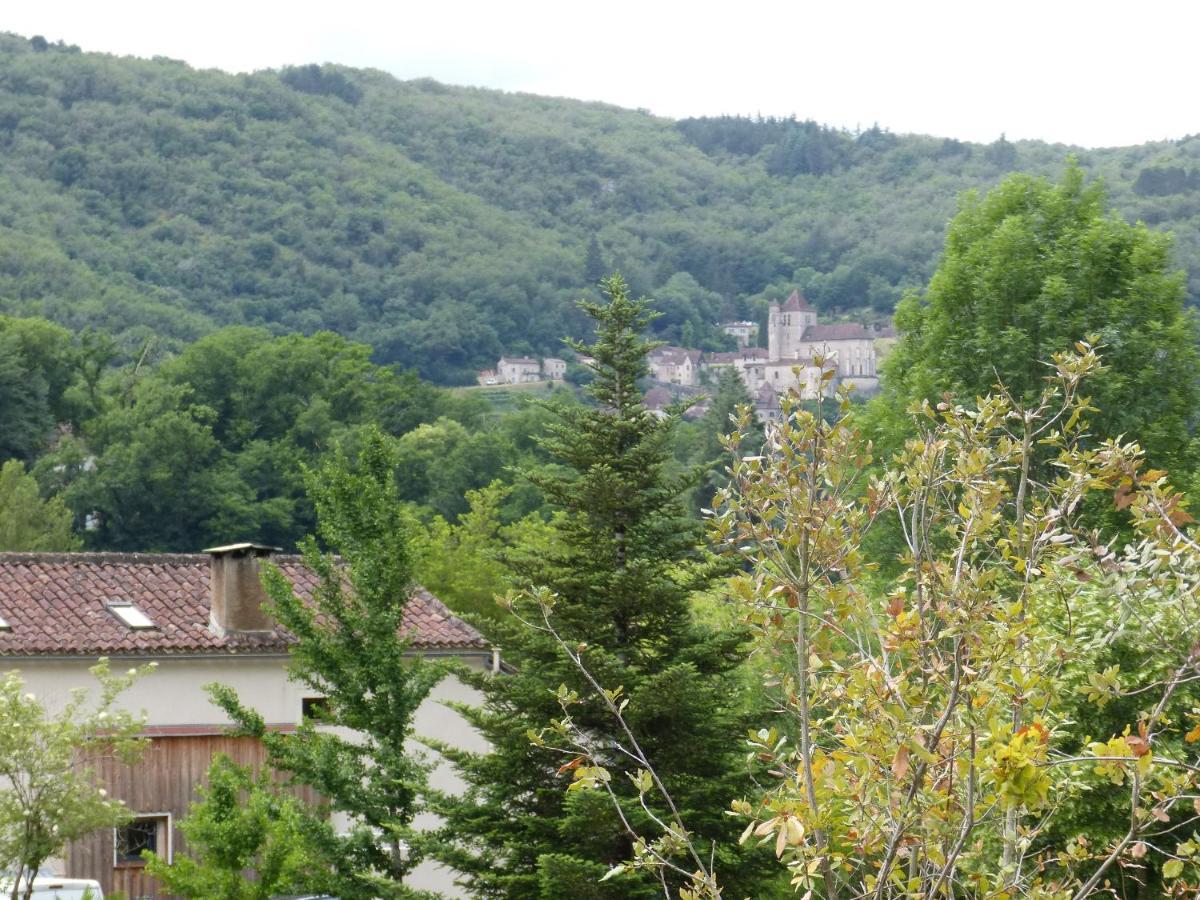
443, 225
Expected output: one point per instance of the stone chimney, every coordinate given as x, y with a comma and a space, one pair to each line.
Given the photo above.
237, 593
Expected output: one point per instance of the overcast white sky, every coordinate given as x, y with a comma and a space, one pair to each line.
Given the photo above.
1095, 73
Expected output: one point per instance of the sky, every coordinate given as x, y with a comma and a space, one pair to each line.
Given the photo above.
1093, 74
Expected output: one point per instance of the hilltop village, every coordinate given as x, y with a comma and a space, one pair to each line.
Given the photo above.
795, 341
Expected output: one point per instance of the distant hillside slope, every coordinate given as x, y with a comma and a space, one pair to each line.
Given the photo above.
442, 224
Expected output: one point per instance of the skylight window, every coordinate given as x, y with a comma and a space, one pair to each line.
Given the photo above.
131, 615
4, 626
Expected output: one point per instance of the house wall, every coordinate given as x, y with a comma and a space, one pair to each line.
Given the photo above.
855, 357
185, 729
163, 782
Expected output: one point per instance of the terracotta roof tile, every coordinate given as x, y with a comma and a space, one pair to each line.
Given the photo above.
795, 302
56, 604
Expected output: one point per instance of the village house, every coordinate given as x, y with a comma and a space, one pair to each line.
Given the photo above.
518, 370
554, 369
200, 618
749, 362
524, 370
745, 333
675, 365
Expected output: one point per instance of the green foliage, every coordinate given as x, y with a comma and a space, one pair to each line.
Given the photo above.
247, 840
37, 370
708, 448
463, 564
937, 734
445, 225
620, 573
27, 522
1032, 268
350, 648
49, 794
209, 444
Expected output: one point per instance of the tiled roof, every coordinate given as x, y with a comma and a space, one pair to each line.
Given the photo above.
766, 396
844, 332
728, 357
673, 356
519, 361
795, 303
57, 604
657, 398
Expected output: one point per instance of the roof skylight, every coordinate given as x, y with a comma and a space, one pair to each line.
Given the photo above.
4, 626
131, 615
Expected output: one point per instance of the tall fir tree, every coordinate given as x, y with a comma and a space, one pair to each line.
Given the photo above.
626, 561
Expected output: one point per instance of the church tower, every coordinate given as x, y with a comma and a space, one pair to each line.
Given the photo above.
786, 326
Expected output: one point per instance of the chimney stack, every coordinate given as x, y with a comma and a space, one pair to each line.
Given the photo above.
237, 593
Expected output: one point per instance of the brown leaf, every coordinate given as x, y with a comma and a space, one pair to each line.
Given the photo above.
1137, 745
573, 764
1181, 517
895, 606
900, 762
1139, 849
1123, 496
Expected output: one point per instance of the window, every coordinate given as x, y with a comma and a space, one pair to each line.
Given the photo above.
131, 615
4, 626
151, 831
316, 708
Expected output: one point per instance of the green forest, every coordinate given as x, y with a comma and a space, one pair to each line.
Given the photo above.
442, 226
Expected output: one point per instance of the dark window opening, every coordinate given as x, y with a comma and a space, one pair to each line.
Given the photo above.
315, 708
143, 833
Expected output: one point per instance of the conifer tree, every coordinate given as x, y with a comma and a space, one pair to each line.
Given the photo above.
626, 561
720, 419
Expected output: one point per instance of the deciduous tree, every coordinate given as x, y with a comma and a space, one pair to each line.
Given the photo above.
1028, 270
247, 839
49, 793
350, 647
27, 522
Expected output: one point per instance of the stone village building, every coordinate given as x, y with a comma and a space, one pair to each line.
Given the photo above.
524, 370
674, 365
200, 617
794, 339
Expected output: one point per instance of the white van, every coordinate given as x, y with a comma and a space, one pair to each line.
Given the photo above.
49, 887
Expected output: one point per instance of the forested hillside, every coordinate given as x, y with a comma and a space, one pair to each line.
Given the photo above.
442, 225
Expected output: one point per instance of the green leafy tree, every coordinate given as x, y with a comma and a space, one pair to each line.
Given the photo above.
350, 648
1027, 271
27, 522
463, 563
931, 744
49, 792
247, 840
621, 573
37, 367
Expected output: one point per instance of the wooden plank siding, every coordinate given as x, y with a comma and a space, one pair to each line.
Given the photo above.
164, 781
